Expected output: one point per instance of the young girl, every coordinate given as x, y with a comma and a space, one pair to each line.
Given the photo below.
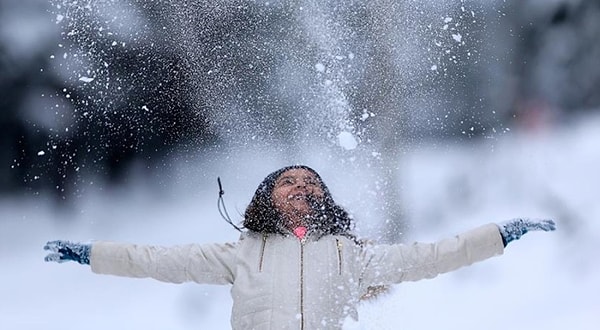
297, 264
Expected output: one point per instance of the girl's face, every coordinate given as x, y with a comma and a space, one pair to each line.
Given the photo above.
292, 191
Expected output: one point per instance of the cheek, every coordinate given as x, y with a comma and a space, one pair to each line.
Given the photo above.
318, 192
279, 197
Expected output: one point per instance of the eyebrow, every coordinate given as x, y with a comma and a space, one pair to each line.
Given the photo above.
284, 177
305, 177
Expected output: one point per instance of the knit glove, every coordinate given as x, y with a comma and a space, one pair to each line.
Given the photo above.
513, 229
62, 251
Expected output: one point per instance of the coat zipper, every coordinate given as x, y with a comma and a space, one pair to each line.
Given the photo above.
301, 285
262, 253
338, 243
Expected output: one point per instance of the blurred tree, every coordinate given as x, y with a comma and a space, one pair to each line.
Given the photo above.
555, 58
91, 109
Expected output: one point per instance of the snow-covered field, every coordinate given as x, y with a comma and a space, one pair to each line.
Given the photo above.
544, 281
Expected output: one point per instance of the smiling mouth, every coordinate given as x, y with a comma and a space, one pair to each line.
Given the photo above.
298, 197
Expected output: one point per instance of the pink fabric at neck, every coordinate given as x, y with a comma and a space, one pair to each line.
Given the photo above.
300, 232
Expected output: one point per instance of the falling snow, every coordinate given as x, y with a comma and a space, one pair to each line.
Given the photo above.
351, 87
347, 140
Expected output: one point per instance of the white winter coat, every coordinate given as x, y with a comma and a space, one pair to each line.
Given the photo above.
279, 282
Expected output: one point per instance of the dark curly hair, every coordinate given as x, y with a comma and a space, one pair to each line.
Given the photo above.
330, 219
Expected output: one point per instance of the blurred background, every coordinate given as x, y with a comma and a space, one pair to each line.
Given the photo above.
425, 118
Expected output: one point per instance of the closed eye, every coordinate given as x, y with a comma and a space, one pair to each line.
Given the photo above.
311, 182
285, 181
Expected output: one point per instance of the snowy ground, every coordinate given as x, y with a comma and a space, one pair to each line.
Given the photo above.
544, 281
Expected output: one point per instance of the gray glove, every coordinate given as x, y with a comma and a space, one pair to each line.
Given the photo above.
62, 251
513, 229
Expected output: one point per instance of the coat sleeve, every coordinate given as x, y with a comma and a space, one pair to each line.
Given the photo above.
208, 264
388, 264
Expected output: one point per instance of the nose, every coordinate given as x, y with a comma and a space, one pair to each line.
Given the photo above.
301, 184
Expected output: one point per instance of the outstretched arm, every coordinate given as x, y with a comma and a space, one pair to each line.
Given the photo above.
513, 229
208, 264
387, 264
